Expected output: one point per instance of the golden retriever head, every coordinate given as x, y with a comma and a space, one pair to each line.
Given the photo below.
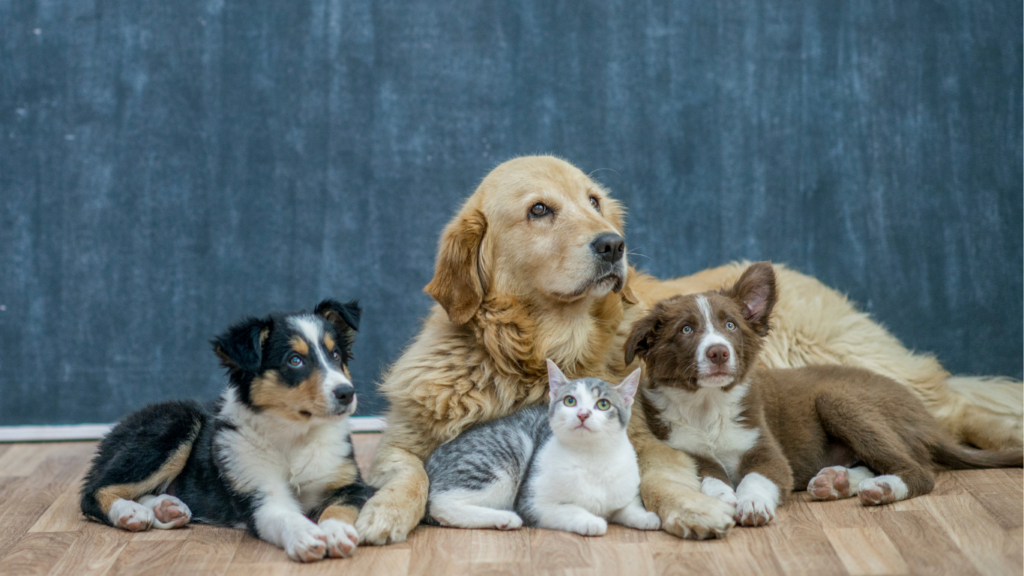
537, 229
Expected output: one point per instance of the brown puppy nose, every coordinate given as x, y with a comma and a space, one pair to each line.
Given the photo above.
718, 354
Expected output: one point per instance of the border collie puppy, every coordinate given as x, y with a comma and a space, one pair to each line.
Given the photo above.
273, 454
754, 432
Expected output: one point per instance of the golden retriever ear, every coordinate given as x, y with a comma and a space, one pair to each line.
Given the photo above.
457, 285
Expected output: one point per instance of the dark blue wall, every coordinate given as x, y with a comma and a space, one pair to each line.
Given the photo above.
167, 167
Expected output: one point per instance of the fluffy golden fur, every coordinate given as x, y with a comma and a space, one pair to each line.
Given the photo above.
513, 290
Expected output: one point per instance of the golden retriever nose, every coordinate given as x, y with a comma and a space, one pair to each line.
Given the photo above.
609, 246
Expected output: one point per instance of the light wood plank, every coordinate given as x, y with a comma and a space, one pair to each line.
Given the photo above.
35, 554
923, 544
94, 551
866, 551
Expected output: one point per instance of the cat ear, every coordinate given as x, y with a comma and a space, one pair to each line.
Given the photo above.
627, 388
555, 379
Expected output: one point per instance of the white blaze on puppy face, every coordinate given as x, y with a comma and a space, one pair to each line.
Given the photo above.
711, 336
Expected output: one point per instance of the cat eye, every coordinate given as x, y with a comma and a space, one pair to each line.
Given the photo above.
569, 401
295, 361
595, 203
603, 404
730, 325
539, 210
687, 330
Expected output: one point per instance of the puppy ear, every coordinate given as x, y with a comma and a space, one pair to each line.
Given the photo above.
627, 388
555, 379
457, 285
641, 336
755, 291
240, 348
344, 317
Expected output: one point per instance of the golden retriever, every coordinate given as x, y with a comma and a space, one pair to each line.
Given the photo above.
533, 267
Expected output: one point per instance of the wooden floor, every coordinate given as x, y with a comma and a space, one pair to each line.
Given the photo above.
971, 524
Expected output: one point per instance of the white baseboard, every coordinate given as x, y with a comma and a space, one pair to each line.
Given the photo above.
96, 431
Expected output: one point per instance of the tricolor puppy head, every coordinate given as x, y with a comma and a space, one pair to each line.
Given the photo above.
536, 227
294, 365
707, 340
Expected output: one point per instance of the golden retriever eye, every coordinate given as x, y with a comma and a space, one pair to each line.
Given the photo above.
539, 210
595, 203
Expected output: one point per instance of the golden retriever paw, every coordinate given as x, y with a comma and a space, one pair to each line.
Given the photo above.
697, 517
382, 521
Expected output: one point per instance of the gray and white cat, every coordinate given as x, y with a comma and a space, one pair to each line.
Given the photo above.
569, 466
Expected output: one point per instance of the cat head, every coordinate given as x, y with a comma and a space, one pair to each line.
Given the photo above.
589, 408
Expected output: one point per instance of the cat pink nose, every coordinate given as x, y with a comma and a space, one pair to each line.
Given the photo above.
718, 354
583, 415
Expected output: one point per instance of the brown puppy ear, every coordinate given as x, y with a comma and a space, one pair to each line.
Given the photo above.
755, 291
457, 286
642, 335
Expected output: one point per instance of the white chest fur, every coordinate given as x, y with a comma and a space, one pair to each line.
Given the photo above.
600, 481
261, 455
707, 423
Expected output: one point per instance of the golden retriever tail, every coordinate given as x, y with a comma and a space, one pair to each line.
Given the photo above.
959, 457
993, 410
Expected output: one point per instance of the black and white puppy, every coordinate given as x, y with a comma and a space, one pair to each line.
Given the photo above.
273, 454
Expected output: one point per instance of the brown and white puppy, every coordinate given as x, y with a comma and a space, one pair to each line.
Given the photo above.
840, 431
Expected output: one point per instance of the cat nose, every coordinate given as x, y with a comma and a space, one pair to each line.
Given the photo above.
583, 415
718, 354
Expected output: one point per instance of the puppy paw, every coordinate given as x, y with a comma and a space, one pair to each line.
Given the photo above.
831, 483
588, 526
131, 516
305, 542
387, 520
881, 490
508, 521
342, 538
717, 489
696, 516
170, 512
754, 511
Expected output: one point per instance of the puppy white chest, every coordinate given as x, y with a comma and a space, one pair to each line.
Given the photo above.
259, 455
707, 422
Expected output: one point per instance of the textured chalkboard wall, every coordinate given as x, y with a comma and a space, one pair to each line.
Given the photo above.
167, 167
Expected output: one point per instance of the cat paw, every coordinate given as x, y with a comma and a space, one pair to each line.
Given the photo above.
592, 526
881, 490
831, 483
645, 521
508, 521
131, 516
717, 489
341, 538
305, 542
